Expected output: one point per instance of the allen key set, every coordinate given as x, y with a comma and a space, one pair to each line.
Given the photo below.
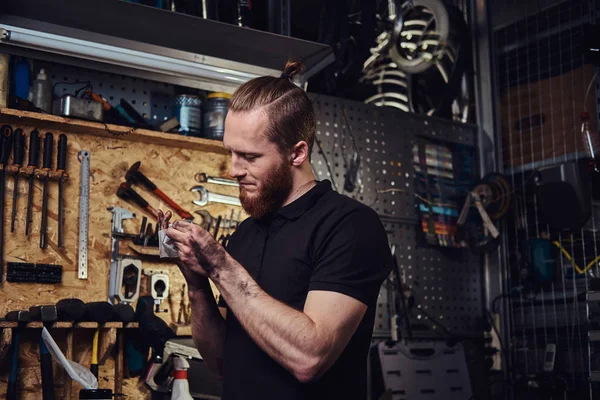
13, 142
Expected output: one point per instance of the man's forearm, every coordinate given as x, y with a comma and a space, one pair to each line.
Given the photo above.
208, 327
289, 336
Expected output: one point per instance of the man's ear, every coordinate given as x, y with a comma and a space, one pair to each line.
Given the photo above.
299, 153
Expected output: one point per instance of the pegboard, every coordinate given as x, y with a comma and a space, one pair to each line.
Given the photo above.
446, 284
150, 99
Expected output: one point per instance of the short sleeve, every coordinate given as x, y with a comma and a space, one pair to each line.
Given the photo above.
353, 257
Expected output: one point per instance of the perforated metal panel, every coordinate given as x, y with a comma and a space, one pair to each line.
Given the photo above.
445, 284
151, 99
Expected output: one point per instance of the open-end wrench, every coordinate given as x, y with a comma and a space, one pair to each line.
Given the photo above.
207, 219
201, 177
209, 197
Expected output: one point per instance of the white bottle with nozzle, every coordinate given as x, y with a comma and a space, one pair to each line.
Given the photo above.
181, 387
41, 90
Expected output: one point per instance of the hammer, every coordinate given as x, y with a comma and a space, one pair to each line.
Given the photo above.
47, 314
134, 175
70, 310
103, 312
125, 192
21, 317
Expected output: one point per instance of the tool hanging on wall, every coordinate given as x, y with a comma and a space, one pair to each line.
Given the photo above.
84, 201
94, 362
46, 167
72, 310
32, 164
492, 198
202, 177
207, 219
134, 175
125, 274
126, 192
210, 197
7, 133
18, 155
48, 315
61, 163
21, 317
224, 239
19, 272
182, 315
217, 225
158, 286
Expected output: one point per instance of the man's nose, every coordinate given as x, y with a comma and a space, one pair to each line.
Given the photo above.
236, 171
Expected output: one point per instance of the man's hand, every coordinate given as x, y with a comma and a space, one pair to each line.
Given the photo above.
199, 253
163, 219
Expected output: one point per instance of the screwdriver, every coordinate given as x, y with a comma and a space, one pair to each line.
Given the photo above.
4, 154
46, 166
18, 155
60, 167
33, 162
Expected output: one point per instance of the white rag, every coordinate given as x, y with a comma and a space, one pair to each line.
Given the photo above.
165, 245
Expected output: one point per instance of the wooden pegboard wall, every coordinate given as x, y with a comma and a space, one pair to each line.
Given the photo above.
168, 163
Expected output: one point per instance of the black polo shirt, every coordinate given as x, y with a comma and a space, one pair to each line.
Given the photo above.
321, 241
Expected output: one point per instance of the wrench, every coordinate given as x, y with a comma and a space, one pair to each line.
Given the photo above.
209, 197
203, 178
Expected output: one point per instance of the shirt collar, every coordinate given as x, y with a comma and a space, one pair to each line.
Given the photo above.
302, 204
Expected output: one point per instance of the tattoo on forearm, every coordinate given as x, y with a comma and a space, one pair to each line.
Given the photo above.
246, 290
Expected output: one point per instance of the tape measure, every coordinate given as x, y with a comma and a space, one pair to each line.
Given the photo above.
84, 202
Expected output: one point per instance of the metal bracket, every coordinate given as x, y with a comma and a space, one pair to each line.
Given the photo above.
158, 286
116, 271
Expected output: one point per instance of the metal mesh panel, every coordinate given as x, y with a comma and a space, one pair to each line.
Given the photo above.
541, 81
446, 286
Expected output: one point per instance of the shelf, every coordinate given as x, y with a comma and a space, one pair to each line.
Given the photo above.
134, 27
77, 325
181, 330
53, 122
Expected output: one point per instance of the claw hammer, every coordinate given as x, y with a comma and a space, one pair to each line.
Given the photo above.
134, 175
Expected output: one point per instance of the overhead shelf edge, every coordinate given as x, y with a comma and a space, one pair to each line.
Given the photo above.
53, 122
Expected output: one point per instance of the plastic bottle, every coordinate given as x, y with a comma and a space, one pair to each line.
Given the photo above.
591, 144
42, 92
181, 387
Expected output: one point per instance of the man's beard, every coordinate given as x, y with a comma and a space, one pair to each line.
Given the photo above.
273, 191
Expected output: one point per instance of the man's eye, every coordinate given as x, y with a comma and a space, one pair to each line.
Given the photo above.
250, 158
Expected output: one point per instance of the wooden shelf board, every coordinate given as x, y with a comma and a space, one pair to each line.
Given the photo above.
79, 325
71, 125
181, 330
